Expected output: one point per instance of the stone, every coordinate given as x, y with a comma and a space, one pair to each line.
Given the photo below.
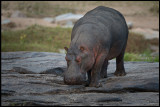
147, 33
154, 48
69, 24
5, 21
48, 19
36, 79
154, 54
63, 51
35, 62
130, 25
17, 14
67, 20
68, 16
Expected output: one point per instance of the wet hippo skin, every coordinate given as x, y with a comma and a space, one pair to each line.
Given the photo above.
100, 35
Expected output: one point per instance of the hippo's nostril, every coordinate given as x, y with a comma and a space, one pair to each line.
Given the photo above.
78, 59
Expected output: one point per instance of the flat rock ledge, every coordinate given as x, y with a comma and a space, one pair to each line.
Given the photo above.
36, 78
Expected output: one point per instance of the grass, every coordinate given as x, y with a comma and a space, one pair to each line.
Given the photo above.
36, 9
36, 38
47, 39
140, 57
54, 8
155, 8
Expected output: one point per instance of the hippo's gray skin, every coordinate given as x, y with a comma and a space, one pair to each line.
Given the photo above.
100, 35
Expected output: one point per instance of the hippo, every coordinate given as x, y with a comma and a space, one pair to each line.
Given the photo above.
100, 35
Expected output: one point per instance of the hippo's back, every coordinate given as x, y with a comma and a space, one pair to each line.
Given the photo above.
106, 19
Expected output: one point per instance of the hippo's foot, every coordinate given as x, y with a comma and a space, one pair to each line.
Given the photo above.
86, 83
97, 85
120, 73
104, 75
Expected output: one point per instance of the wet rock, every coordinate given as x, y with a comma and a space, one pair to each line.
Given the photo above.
56, 71
21, 70
35, 62
108, 99
36, 78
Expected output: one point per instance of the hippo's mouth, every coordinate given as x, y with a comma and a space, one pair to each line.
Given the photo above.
76, 80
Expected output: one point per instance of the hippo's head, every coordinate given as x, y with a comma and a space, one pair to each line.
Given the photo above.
79, 61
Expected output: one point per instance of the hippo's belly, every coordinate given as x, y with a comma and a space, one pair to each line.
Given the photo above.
115, 50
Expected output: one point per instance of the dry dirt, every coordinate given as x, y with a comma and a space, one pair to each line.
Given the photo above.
136, 12
22, 23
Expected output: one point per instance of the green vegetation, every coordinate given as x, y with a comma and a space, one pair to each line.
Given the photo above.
36, 8
36, 38
47, 39
140, 57
155, 8
54, 8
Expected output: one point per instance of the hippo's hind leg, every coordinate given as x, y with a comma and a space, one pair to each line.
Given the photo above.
120, 71
104, 69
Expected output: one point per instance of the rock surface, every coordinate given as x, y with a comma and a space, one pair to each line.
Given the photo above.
147, 33
17, 14
36, 78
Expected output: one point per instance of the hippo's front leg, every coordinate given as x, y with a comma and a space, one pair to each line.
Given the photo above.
95, 73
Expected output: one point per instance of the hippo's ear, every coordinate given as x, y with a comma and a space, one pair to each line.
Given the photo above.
66, 48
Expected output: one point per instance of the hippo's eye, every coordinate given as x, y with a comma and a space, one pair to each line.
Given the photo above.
82, 48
